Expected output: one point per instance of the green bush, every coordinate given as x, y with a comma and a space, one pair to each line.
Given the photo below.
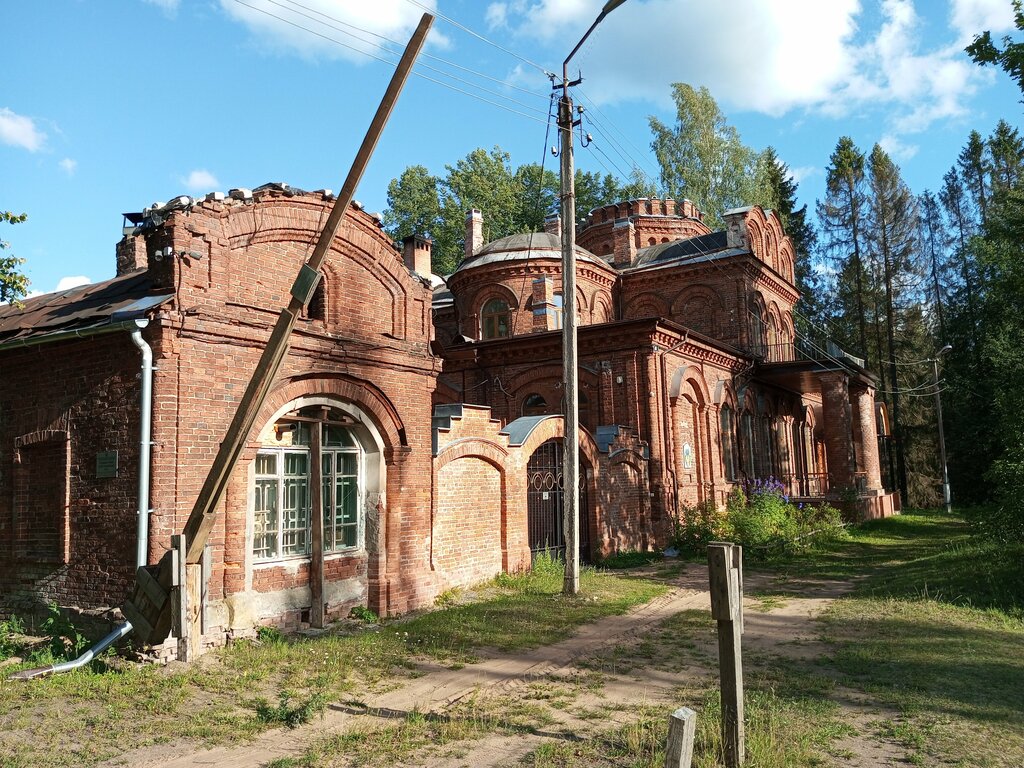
288, 712
762, 518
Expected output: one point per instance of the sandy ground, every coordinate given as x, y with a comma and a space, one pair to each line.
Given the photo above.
776, 628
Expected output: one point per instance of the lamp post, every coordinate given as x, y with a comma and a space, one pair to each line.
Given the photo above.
571, 459
942, 436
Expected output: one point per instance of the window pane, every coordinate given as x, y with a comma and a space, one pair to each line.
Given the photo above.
264, 542
348, 463
266, 464
338, 436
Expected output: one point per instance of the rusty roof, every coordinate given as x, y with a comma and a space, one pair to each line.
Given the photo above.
85, 308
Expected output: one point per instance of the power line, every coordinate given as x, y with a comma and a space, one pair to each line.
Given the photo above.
467, 30
423, 55
392, 64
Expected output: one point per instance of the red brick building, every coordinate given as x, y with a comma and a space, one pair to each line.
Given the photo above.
420, 417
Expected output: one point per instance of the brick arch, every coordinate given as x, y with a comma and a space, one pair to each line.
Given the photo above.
364, 395
554, 428
475, 448
755, 234
352, 243
787, 259
601, 311
647, 305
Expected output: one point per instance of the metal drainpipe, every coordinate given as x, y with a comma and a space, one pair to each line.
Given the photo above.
142, 538
145, 442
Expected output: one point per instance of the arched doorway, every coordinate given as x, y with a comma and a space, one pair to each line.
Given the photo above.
544, 502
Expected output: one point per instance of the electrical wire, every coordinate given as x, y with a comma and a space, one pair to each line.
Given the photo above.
392, 64
478, 36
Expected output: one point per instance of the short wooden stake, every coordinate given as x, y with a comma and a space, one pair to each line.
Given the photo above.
725, 576
682, 726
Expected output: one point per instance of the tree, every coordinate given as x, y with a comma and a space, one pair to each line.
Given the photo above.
1006, 151
1010, 56
974, 169
13, 283
702, 157
842, 220
511, 201
892, 239
779, 193
933, 239
413, 204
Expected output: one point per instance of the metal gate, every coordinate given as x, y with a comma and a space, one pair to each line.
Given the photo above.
544, 502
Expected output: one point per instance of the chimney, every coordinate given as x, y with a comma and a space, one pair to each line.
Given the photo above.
131, 254
553, 225
543, 305
736, 227
623, 243
416, 250
474, 232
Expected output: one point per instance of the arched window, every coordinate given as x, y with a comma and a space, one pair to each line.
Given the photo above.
309, 445
317, 307
728, 432
495, 320
535, 405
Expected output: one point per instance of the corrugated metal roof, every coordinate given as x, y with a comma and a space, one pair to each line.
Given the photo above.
524, 246
85, 307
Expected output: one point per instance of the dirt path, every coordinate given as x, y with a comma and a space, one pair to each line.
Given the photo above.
776, 627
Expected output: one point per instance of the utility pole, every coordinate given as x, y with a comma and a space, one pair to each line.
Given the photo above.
570, 374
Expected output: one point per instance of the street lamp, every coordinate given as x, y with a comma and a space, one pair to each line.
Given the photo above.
942, 436
571, 458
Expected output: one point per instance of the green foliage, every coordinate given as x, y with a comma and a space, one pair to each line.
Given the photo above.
702, 157
699, 524
511, 200
13, 283
270, 635
12, 630
364, 614
289, 712
630, 559
764, 520
1010, 56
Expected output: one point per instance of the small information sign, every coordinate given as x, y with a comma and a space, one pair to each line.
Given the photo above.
106, 464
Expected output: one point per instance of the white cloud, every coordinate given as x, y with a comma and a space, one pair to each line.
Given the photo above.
334, 22
804, 172
170, 7
497, 15
200, 180
897, 148
68, 165
20, 131
837, 58
972, 17
72, 281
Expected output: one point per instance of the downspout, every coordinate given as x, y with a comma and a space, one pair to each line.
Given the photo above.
145, 443
142, 537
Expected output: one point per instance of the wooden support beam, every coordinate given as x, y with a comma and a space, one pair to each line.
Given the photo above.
316, 505
204, 513
157, 618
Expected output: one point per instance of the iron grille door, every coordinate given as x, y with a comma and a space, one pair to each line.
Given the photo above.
544, 502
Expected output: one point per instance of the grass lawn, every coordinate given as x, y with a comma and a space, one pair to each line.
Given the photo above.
92, 714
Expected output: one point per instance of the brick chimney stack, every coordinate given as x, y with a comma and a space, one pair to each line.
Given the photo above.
131, 254
474, 232
623, 242
416, 251
553, 225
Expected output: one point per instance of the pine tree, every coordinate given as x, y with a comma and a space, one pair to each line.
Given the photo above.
974, 169
933, 242
892, 235
841, 216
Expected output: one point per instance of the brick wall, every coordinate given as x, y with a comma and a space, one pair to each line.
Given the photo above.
66, 534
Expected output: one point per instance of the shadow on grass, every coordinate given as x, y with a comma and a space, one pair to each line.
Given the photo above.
928, 657
921, 555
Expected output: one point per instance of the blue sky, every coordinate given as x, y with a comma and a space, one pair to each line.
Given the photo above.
107, 107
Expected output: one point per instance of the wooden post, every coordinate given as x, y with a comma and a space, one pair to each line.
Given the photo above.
152, 622
193, 589
682, 726
725, 576
316, 511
